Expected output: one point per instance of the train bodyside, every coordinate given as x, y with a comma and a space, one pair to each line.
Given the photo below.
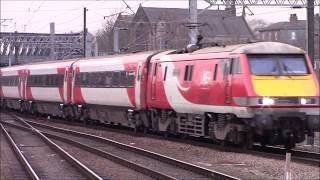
47, 86
12, 86
214, 92
111, 89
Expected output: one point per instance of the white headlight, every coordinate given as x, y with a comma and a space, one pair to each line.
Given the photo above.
268, 101
303, 101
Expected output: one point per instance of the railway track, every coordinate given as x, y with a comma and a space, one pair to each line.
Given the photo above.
152, 164
39, 172
270, 151
22, 159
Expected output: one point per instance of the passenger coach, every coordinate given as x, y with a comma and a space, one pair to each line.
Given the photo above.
263, 92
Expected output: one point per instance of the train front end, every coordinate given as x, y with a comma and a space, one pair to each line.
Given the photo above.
284, 99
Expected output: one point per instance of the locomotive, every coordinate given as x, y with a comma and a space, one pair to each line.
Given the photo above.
263, 92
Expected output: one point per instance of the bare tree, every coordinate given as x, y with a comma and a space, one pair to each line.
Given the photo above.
256, 24
104, 36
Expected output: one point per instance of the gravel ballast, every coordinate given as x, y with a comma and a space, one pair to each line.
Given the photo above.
241, 165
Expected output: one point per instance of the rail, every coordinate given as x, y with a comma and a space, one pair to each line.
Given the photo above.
31, 172
184, 165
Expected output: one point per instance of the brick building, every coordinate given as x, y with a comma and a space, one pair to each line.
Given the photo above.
165, 28
291, 32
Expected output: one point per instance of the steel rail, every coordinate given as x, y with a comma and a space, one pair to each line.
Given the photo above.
81, 167
306, 156
184, 165
31, 172
103, 154
277, 152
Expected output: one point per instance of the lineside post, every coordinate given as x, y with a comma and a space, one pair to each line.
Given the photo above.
287, 174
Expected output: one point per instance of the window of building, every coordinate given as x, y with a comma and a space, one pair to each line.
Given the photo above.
293, 35
262, 36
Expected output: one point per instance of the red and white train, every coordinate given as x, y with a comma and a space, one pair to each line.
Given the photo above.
258, 92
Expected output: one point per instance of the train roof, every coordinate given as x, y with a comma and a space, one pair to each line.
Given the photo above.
254, 48
127, 57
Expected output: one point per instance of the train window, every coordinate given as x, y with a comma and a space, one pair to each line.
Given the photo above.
155, 69
115, 78
85, 79
96, 79
108, 79
123, 79
105, 79
77, 79
130, 78
9, 80
278, 65
236, 68
215, 72
188, 73
165, 73
48, 80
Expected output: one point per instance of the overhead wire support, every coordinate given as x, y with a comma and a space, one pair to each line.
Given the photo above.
128, 6
84, 31
287, 3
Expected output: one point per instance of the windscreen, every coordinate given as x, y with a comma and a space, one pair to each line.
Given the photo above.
278, 65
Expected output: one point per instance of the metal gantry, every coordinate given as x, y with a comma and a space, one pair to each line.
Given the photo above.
21, 48
290, 3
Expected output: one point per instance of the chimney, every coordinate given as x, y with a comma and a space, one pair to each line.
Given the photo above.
293, 18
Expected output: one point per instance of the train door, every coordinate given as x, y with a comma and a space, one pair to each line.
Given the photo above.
154, 82
138, 86
65, 84
227, 79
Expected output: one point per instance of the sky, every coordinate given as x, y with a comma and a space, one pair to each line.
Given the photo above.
35, 16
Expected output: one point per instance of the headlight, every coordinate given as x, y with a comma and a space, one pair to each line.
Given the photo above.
266, 101
305, 101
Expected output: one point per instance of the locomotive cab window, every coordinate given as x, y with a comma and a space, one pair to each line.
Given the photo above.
278, 65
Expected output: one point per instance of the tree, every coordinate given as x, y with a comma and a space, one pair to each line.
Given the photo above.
256, 24
105, 36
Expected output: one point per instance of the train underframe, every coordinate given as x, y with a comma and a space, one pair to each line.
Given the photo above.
268, 129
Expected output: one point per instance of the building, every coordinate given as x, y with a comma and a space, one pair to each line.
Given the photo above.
167, 28
22, 48
291, 32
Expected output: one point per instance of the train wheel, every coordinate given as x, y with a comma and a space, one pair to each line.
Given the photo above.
247, 140
223, 143
289, 142
68, 113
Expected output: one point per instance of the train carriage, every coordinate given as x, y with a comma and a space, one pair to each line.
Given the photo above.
12, 86
108, 89
47, 86
263, 92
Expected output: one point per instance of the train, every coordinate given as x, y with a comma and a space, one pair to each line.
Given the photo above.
261, 92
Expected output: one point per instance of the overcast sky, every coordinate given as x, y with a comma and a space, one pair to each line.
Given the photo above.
35, 16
